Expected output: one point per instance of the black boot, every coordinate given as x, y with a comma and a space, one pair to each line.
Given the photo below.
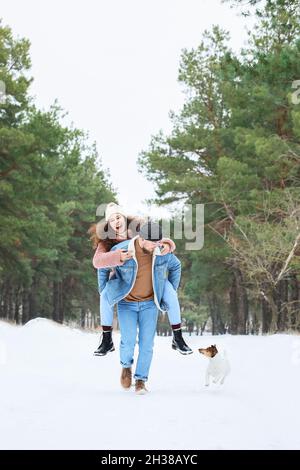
106, 344
179, 344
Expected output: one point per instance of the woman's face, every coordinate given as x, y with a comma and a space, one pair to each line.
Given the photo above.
118, 223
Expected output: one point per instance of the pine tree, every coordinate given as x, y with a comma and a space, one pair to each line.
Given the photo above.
235, 148
51, 182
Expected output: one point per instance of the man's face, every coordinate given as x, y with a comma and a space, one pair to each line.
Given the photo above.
148, 246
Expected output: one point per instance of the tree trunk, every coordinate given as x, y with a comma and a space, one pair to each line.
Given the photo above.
33, 308
57, 313
1, 300
202, 327
17, 306
255, 320
281, 301
61, 310
218, 326
294, 298
5, 300
25, 306
266, 316
269, 310
10, 306
239, 308
66, 305
82, 318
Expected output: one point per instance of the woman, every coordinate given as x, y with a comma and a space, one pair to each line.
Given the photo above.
116, 228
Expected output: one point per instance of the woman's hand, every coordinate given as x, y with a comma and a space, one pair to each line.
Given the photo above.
165, 248
125, 255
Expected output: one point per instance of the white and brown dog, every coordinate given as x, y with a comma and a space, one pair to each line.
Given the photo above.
218, 367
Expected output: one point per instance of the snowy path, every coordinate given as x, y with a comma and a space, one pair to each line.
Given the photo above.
55, 395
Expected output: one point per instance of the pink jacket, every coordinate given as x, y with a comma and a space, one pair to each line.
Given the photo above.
105, 259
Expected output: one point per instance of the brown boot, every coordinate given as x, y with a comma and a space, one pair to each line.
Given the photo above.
140, 388
126, 377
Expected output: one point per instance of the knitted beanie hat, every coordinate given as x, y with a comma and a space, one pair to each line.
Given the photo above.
113, 208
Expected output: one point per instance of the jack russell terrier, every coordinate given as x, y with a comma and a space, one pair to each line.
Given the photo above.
218, 367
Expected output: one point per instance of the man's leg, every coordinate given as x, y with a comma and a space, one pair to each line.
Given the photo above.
147, 319
128, 320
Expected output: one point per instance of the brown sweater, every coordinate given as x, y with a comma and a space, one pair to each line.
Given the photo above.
143, 288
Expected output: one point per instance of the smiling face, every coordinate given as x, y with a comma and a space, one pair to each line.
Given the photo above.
118, 224
211, 351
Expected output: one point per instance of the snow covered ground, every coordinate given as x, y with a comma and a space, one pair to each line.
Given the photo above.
54, 394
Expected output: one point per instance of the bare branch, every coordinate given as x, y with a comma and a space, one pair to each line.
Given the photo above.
289, 258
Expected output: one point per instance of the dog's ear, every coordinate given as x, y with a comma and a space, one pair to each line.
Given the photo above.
215, 346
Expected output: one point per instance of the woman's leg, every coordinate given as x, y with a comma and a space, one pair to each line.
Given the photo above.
106, 319
106, 312
170, 300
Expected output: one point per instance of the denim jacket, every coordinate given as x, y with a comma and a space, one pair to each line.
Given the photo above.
121, 282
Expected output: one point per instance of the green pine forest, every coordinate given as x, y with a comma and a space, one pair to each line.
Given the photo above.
234, 147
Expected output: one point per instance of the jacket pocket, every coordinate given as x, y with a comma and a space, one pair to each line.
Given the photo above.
161, 271
126, 273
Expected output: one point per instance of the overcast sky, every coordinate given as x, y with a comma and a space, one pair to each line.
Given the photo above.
113, 65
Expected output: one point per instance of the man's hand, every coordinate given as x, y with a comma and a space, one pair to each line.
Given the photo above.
125, 255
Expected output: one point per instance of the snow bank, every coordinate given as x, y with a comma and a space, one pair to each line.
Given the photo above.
55, 394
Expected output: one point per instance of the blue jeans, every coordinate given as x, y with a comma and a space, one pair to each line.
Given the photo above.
169, 301
141, 316
106, 311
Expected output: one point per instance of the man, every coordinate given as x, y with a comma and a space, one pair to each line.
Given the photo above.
137, 287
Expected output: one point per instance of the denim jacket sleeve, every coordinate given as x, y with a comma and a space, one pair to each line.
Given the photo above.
103, 276
174, 268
